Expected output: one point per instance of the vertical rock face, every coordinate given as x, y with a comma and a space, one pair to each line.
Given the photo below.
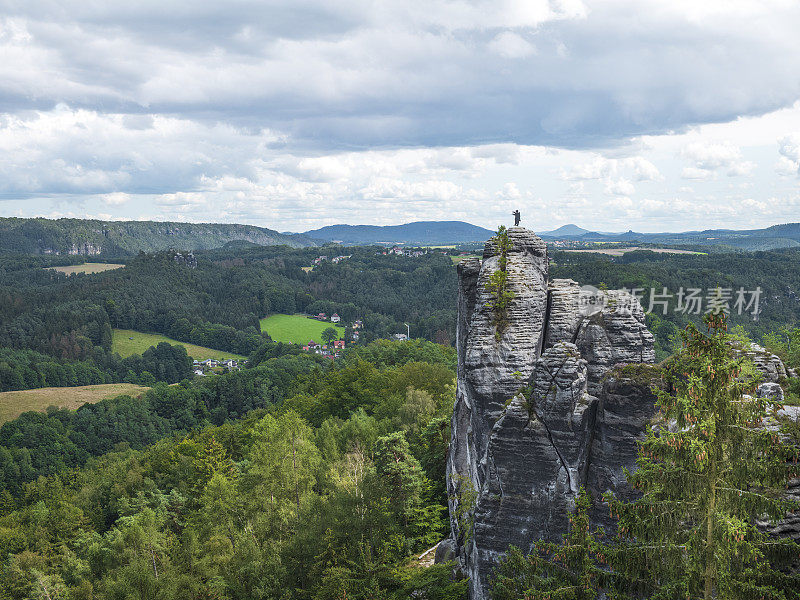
533, 416
536, 460
616, 334
607, 327
627, 403
495, 368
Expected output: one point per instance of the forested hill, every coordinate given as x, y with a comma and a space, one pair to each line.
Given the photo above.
123, 238
775, 237
420, 232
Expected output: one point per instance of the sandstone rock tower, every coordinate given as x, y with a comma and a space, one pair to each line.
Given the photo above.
534, 418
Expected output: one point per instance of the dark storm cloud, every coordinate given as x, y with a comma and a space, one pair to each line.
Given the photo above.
358, 75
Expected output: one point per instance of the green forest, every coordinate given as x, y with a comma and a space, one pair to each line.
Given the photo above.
299, 477
293, 479
219, 304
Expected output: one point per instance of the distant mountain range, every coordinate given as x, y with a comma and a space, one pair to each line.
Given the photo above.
124, 238
769, 238
420, 232
566, 230
458, 232
90, 237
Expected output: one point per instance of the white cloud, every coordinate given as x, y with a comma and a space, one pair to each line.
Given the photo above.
785, 166
619, 187
598, 168
695, 173
789, 149
79, 151
709, 157
739, 168
643, 169
602, 168
116, 198
511, 45
510, 191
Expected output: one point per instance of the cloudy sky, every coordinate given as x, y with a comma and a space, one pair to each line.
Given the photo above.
615, 115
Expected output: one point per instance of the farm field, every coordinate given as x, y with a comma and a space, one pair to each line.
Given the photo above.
621, 251
124, 346
88, 268
296, 329
458, 259
13, 404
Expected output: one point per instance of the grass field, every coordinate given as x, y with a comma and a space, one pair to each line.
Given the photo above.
458, 259
124, 346
297, 329
87, 268
13, 404
621, 251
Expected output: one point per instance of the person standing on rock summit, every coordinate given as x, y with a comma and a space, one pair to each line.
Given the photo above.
516, 218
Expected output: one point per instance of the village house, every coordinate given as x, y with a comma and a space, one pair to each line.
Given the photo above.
338, 344
358, 324
335, 318
320, 317
320, 259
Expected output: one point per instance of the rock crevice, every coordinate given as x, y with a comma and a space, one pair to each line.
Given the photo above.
529, 426
541, 411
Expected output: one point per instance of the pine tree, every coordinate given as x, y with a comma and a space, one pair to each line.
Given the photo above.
497, 285
706, 473
571, 570
329, 335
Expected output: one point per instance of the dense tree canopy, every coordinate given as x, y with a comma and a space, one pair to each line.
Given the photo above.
270, 505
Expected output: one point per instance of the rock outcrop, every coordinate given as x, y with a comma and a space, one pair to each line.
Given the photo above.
535, 417
560, 400
770, 365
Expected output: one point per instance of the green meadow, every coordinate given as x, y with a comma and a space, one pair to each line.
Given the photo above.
126, 342
296, 329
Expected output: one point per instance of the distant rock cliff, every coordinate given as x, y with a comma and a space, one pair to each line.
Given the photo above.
89, 237
544, 410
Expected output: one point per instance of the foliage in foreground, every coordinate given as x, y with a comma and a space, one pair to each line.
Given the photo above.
706, 474
571, 570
